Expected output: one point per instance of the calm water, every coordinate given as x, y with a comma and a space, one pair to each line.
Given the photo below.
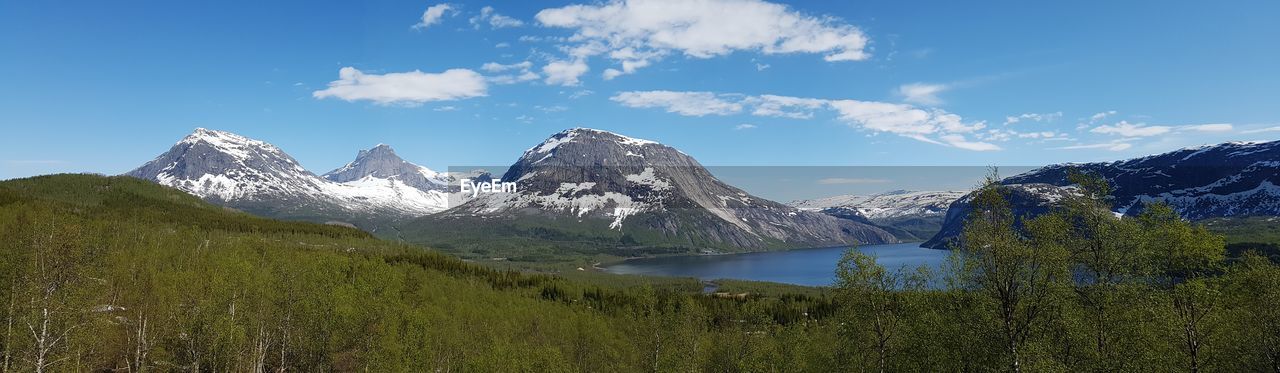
810, 267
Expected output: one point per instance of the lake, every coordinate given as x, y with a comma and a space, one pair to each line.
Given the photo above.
809, 267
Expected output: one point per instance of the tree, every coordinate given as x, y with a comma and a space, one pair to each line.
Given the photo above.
1185, 257
1108, 261
52, 274
877, 303
1016, 271
1254, 285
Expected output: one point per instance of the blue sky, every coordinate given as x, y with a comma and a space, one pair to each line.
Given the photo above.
106, 86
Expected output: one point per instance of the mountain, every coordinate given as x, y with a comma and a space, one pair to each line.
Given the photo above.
593, 189
257, 177
382, 163
909, 215
1232, 179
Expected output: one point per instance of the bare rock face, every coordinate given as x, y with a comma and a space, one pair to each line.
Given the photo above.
1223, 180
646, 189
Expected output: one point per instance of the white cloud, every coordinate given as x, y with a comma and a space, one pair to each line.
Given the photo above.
1211, 127
513, 73
850, 180
407, 88
784, 106
502, 45
959, 141
1038, 135
1127, 129
1034, 117
1102, 115
565, 72
446, 108
761, 66
494, 67
684, 103
921, 93
1114, 146
744, 126
581, 93
900, 119
647, 30
432, 15
552, 109
495, 20
1262, 130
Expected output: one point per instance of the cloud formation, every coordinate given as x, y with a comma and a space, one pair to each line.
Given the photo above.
510, 73
684, 103
783, 106
493, 19
636, 33
1211, 127
432, 15
1126, 129
934, 126
1033, 117
565, 73
921, 93
407, 88
1262, 130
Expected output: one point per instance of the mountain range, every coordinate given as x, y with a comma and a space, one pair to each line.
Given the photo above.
603, 189
909, 215
591, 191
583, 188
1235, 179
257, 177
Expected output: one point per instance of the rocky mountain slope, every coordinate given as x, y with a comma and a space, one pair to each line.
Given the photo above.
612, 190
1224, 180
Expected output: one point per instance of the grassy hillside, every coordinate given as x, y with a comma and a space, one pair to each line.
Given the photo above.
117, 274
138, 276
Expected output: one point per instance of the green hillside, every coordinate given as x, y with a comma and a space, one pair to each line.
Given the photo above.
141, 276
117, 274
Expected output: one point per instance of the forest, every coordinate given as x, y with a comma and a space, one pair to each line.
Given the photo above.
119, 274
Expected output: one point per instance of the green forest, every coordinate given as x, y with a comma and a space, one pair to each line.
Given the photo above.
118, 274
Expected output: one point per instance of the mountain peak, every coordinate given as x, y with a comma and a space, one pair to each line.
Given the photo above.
236, 146
591, 145
211, 163
382, 162
381, 150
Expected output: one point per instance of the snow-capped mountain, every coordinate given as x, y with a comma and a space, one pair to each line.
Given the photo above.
909, 215
1223, 180
887, 206
382, 163
258, 177
650, 192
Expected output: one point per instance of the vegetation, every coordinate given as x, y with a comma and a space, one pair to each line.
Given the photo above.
102, 273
